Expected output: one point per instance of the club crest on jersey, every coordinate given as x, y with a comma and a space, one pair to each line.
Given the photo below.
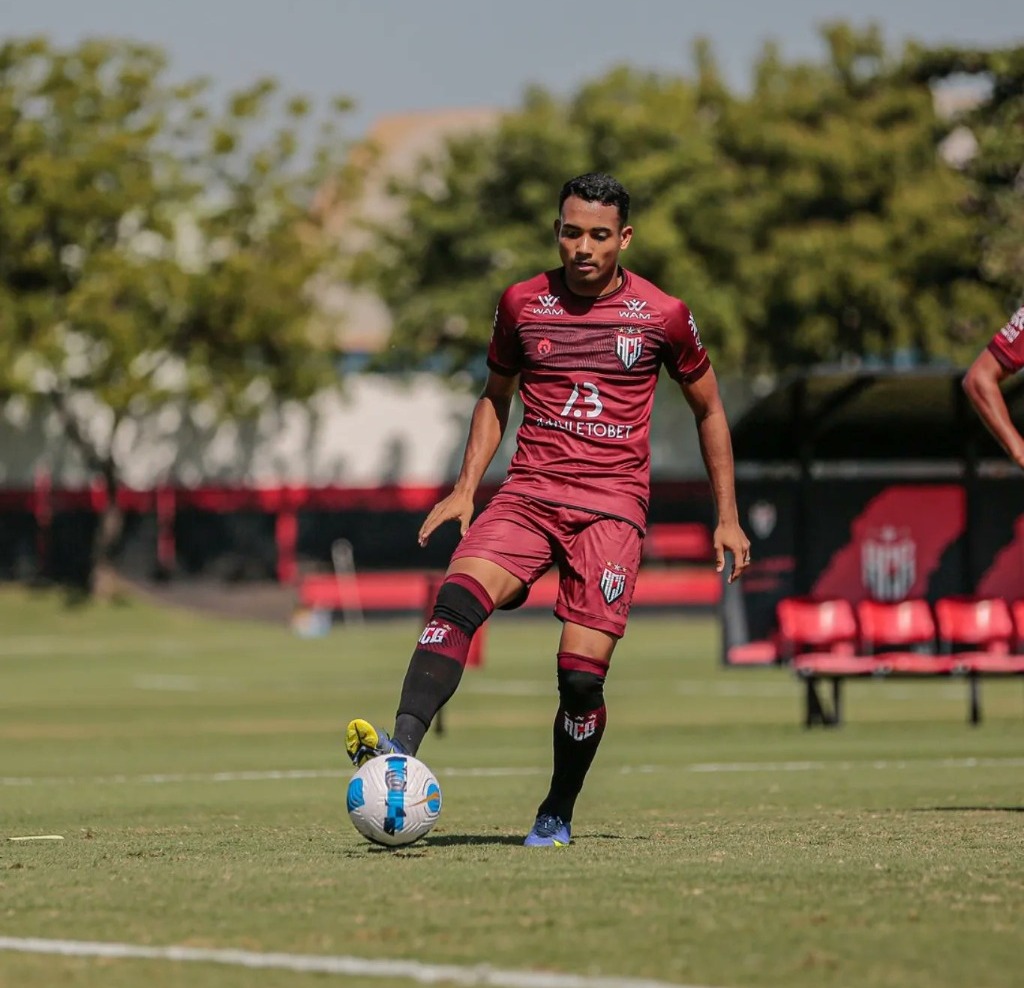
629, 344
634, 309
544, 348
613, 582
548, 305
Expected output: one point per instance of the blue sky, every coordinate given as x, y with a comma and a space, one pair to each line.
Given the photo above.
401, 55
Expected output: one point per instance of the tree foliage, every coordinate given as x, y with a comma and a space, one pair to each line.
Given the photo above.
813, 219
153, 247
996, 123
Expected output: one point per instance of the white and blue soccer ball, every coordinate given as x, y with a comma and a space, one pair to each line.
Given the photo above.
393, 800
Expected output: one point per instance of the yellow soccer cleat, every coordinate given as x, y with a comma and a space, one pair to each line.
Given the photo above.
363, 741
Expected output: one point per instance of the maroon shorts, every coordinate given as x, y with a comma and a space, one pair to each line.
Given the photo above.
597, 556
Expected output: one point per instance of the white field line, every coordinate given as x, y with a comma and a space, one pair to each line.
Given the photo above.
785, 686
685, 687
178, 683
424, 974
699, 768
68, 645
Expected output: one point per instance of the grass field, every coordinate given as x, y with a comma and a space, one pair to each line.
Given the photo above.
195, 770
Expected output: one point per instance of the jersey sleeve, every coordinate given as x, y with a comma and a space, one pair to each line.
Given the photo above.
505, 353
1007, 345
686, 359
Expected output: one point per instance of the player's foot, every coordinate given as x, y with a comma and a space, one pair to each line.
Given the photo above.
363, 741
549, 831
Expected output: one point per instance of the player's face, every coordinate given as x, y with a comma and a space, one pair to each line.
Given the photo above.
590, 236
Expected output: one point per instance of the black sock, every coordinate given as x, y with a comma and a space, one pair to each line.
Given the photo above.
578, 729
435, 669
429, 684
576, 739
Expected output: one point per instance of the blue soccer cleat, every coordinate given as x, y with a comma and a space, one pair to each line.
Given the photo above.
549, 831
363, 741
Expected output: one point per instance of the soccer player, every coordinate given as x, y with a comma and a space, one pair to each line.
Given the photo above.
582, 345
1003, 356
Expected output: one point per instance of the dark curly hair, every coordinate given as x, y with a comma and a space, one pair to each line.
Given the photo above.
597, 187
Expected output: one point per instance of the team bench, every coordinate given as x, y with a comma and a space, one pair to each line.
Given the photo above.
826, 642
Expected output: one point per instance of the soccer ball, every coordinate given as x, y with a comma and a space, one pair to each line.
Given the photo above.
393, 800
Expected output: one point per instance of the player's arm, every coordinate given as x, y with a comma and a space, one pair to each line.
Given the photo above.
716, 449
981, 382
490, 418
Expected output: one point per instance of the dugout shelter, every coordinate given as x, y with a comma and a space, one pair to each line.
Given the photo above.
870, 484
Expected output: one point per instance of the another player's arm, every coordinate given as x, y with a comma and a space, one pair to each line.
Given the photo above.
981, 382
490, 418
716, 449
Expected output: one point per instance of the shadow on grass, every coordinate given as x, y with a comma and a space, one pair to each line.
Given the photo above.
421, 846
462, 840
468, 840
970, 809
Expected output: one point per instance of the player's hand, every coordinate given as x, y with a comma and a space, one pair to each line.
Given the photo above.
457, 506
729, 537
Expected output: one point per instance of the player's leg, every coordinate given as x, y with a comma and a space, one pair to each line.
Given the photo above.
471, 590
583, 658
597, 580
503, 552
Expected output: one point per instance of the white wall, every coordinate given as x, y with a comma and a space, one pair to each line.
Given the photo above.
377, 430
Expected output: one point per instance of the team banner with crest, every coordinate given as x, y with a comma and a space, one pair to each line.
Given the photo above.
872, 539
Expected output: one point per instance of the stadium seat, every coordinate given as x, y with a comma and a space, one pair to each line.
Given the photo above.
818, 638
1017, 611
832, 640
980, 632
974, 624
808, 626
901, 638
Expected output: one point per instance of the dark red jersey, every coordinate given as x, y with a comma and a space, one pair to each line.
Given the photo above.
1007, 345
587, 370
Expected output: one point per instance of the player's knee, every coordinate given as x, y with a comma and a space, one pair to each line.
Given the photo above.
463, 602
580, 692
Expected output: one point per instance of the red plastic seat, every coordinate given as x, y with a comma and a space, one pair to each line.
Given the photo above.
807, 625
1017, 610
819, 640
900, 638
981, 624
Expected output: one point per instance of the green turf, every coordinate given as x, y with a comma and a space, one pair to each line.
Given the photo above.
717, 842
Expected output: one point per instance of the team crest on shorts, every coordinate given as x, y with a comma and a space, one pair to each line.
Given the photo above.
613, 582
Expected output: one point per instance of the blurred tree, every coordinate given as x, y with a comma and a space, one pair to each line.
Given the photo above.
813, 220
993, 116
862, 248
150, 249
481, 216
